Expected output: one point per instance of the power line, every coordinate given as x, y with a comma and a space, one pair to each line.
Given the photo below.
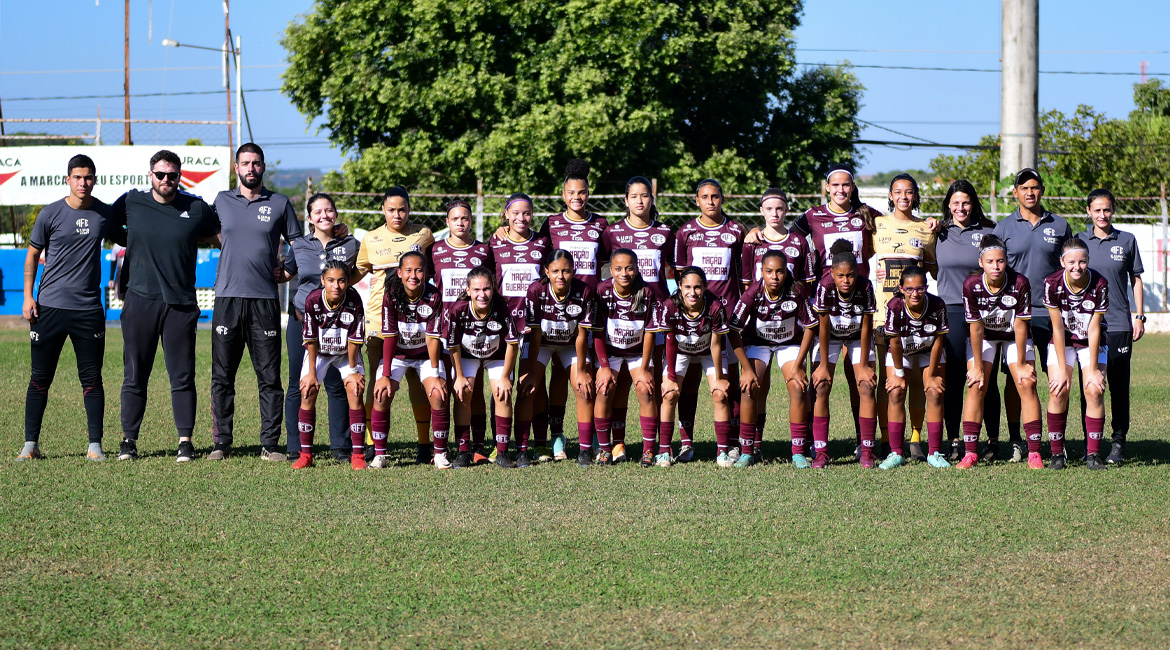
905, 135
836, 49
119, 70
910, 67
164, 94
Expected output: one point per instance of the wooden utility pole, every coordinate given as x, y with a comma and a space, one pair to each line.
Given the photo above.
1019, 141
227, 79
126, 71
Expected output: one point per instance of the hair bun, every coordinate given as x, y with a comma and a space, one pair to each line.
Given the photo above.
577, 169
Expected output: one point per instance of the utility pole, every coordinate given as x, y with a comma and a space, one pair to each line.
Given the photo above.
1019, 114
126, 69
227, 80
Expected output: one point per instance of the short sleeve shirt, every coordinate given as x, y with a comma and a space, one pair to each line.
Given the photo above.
380, 252
654, 246
826, 227
451, 265
917, 332
479, 338
898, 244
768, 322
802, 263
1119, 261
517, 267
998, 310
717, 250
411, 322
692, 335
307, 259
72, 243
624, 324
957, 255
581, 238
333, 328
1077, 307
559, 320
846, 313
1034, 251
250, 231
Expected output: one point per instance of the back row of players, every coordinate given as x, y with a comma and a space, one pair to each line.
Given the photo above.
533, 301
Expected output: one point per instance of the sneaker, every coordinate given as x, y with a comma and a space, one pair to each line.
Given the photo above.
381, 461
186, 452
492, 456
956, 450
604, 457
821, 461
128, 450
585, 457
273, 454
220, 452
478, 458
970, 459
868, 460
1019, 453
542, 454
662, 460
340, 455
522, 459
1116, 454
1034, 460
558, 447
441, 461
991, 452
916, 454
619, 452
358, 460
937, 460
368, 451
891, 461
95, 452
648, 458
745, 460
733, 454
800, 462
303, 461
685, 455
724, 460
503, 461
857, 451
1058, 462
462, 459
31, 451
1093, 461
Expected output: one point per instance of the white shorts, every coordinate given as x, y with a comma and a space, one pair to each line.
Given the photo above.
684, 361
341, 362
1005, 350
835, 352
633, 363
493, 369
1074, 357
920, 360
765, 353
422, 367
566, 354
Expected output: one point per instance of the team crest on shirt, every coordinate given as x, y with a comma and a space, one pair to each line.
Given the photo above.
727, 238
475, 261
424, 310
494, 326
416, 248
976, 237
658, 238
82, 226
1008, 301
1116, 250
929, 328
593, 234
536, 255
915, 242
788, 305
1088, 304
573, 310
34, 336
346, 317
791, 252
855, 222
1051, 232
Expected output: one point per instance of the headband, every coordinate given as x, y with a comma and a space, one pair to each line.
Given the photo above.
519, 198
996, 247
841, 171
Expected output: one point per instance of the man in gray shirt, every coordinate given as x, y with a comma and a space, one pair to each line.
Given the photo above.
68, 305
253, 219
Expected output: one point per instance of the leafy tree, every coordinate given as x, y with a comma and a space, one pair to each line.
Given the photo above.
436, 94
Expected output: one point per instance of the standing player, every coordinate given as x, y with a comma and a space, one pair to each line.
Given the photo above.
379, 254
252, 221
162, 229
68, 305
577, 230
1114, 254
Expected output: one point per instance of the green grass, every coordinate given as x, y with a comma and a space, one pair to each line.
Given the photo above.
250, 554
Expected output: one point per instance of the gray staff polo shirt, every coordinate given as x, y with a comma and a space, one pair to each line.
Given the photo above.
1034, 251
1118, 260
72, 242
957, 251
250, 249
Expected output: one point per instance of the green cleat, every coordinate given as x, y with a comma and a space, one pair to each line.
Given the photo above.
937, 460
724, 460
558, 447
745, 460
800, 462
662, 460
891, 461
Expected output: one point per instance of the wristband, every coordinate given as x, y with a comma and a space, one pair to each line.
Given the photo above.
898, 372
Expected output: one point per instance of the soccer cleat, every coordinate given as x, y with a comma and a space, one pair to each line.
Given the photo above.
30, 452
916, 452
341, 455
219, 452
381, 461
273, 454
441, 461
685, 455
604, 457
1093, 461
492, 456
462, 459
305, 460
522, 459
585, 457
662, 460
1019, 453
478, 458
800, 462
503, 461
358, 460
956, 450
891, 461
368, 451
868, 460
937, 460
186, 452
1058, 462
95, 452
423, 456
724, 460
990, 452
1034, 460
857, 451
619, 452
745, 460
970, 459
648, 458
733, 454
558, 447
542, 454
1116, 454
821, 461
128, 450
884, 450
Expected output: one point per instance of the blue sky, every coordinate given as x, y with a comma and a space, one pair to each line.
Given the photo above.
948, 107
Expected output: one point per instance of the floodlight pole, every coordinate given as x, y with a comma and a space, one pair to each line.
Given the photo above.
1019, 141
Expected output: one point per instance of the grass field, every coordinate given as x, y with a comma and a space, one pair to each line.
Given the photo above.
250, 554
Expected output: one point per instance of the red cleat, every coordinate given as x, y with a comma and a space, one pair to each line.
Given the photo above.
969, 460
305, 460
357, 461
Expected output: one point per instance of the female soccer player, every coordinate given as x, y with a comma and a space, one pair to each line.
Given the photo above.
802, 263
997, 305
481, 337
694, 323
915, 324
558, 315
845, 303
1077, 299
775, 319
409, 310
625, 353
333, 335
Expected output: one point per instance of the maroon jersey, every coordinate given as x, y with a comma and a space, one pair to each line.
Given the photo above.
693, 336
802, 263
558, 320
717, 250
333, 328
581, 238
764, 321
451, 264
917, 333
411, 322
998, 310
654, 246
478, 338
845, 312
517, 267
1077, 309
826, 227
624, 326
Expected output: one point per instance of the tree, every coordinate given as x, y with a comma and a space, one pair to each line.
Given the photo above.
435, 94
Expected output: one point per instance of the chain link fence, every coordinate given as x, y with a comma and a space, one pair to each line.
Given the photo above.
29, 131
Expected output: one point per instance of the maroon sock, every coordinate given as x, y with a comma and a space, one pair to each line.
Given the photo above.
897, 432
665, 433
1056, 425
799, 431
379, 426
747, 437
601, 427
1032, 430
306, 422
649, 431
971, 436
463, 437
617, 427
503, 433
868, 433
1095, 428
540, 429
556, 420
479, 425
440, 427
820, 431
934, 433
686, 419
522, 428
585, 434
722, 436
761, 419
357, 430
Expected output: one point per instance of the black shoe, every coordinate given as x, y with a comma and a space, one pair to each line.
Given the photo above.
956, 451
884, 450
857, 451
368, 452
128, 450
186, 452
1058, 461
522, 459
1116, 454
1093, 461
991, 452
505, 461
423, 457
585, 458
340, 455
462, 460
604, 457
647, 458
916, 452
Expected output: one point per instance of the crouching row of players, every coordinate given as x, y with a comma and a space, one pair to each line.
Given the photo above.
615, 338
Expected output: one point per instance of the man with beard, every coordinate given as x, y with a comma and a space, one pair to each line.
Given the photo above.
247, 311
162, 230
